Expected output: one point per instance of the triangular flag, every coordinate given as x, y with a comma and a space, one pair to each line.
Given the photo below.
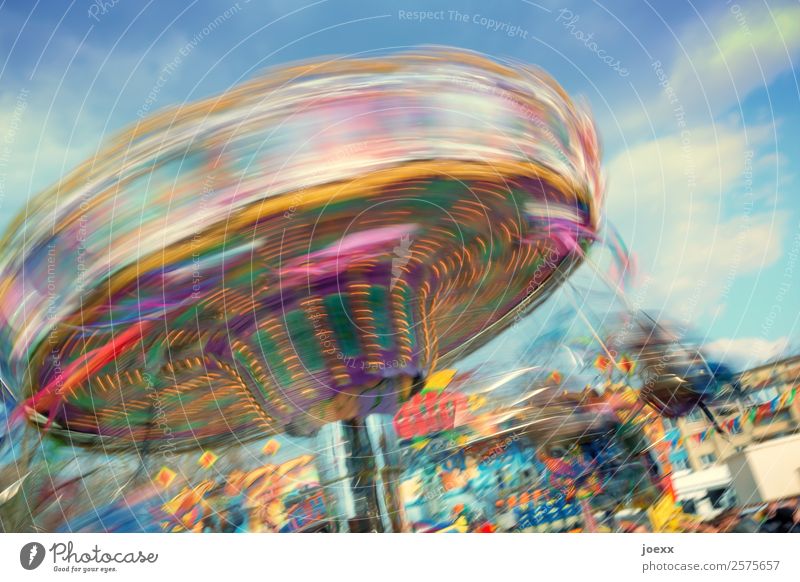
439, 380
626, 365
271, 447
207, 459
165, 477
602, 363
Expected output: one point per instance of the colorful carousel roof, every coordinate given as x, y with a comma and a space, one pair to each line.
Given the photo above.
303, 248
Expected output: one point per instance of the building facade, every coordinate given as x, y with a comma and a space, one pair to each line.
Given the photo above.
763, 406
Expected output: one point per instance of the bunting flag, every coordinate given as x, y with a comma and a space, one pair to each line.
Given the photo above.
271, 447
602, 363
702, 436
626, 365
439, 380
165, 477
752, 416
207, 459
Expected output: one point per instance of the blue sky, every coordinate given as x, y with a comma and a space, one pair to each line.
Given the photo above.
696, 104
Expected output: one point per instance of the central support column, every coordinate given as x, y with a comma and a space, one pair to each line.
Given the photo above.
361, 474
360, 462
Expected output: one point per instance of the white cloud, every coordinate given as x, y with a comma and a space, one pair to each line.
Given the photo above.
68, 113
36, 154
745, 48
680, 204
718, 60
746, 352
